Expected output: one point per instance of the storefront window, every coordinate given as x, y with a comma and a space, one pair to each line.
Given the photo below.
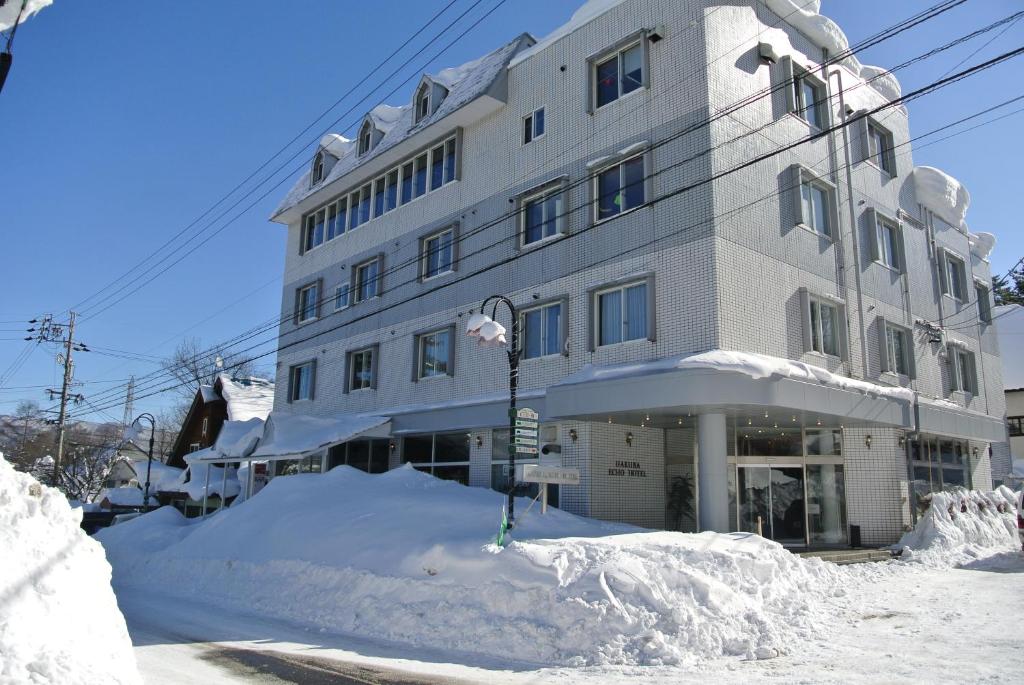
823, 442
769, 442
444, 455
367, 455
417, 449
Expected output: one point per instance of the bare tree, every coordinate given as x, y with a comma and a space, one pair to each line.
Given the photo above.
89, 460
193, 366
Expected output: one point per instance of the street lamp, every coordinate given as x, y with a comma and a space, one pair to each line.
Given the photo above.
490, 333
134, 433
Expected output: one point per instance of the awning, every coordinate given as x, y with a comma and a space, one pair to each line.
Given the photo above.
292, 436
945, 418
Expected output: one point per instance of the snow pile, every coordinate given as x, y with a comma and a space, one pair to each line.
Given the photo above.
961, 526
59, 622
981, 243
238, 438
297, 434
194, 479
9, 11
943, 194
405, 557
247, 398
161, 476
751, 364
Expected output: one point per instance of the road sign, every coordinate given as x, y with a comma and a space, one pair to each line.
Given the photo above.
534, 473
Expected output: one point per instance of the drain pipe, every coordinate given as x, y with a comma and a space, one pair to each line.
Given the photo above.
853, 228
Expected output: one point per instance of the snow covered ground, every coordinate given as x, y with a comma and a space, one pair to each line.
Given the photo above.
404, 562
58, 619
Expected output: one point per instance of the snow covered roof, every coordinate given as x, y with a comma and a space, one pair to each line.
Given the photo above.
208, 394
124, 497
943, 194
161, 476
238, 438
335, 144
289, 435
9, 12
1010, 329
465, 83
247, 398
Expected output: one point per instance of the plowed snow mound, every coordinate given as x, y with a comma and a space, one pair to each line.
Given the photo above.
59, 622
406, 557
962, 525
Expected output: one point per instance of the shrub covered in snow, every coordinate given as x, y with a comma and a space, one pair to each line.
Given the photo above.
406, 557
59, 621
961, 525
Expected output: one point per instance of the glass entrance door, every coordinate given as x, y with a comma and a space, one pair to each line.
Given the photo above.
771, 502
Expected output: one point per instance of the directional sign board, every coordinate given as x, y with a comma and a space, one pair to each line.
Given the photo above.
524, 437
524, 413
534, 473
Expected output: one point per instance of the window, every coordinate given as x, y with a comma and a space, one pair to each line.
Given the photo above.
880, 148
961, 369
543, 216
824, 327
318, 168
194, 447
618, 74
367, 280
1015, 425
361, 369
206, 424
341, 296
984, 303
620, 188
419, 183
889, 243
308, 303
621, 314
955, 277
365, 138
423, 103
300, 382
533, 126
364, 454
437, 251
809, 98
543, 332
403, 183
815, 206
445, 455
897, 351
434, 354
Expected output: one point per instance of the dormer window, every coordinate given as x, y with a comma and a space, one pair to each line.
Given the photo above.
365, 138
318, 168
423, 102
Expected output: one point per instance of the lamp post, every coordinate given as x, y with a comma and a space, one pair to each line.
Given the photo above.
149, 462
490, 333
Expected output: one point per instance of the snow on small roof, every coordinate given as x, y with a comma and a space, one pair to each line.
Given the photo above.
336, 144
123, 497
943, 194
476, 77
208, 394
287, 435
1009, 320
749, 363
161, 476
247, 398
238, 438
586, 13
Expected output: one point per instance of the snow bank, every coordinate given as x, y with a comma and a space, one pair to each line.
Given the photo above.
405, 557
9, 11
193, 480
748, 363
961, 526
59, 622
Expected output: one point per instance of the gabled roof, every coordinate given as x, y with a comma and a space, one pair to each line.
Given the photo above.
465, 83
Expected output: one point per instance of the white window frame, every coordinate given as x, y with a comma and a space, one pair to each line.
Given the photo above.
315, 305
545, 335
884, 159
423, 94
425, 253
206, 425
891, 362
359, 271
961, 364
541, 195
317, 174
294, 385
804, 178
351, 370
365, 136
621, 164
195, 447
342, 293
953, 262
802, 76
881, 224
529, 127
818, 330
617, 54
421, 358
623, 300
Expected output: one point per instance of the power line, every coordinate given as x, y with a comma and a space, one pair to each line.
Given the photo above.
850, 121
727, 110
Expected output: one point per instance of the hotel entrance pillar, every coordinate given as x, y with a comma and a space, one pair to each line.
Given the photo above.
713, 473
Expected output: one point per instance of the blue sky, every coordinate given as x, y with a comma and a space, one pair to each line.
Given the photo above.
125, 121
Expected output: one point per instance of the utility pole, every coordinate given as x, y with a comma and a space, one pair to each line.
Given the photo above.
68, 370
129, 400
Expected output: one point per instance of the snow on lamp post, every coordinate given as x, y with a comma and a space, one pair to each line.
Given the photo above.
489, 333
132, 434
